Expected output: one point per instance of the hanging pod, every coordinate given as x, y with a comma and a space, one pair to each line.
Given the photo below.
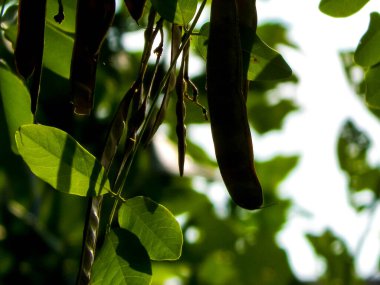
30, 36
30, 44
93, 19
227, 106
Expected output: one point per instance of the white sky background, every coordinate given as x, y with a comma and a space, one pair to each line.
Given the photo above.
326, 100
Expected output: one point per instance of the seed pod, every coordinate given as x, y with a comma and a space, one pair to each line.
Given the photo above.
30, 37
93, 19
228, 113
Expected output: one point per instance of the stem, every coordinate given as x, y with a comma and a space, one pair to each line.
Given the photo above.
185, 39
125, 170
368, 227
135, 121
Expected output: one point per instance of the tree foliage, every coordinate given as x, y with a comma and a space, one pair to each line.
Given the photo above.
154, 225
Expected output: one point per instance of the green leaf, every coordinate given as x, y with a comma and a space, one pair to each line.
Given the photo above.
155, 226
218, 268
266, 63
341, 8
176, 11
274, 171
353, 146
367, 53
16, 103
58, 159
274, 34
266, 116
373, 87
68, 24
122, 260
58, 50
201, 40
340, 263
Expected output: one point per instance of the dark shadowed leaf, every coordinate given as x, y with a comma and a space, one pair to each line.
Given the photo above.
176, 11
267, 116
122, 260
135, 8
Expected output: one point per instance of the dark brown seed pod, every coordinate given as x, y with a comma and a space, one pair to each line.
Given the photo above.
227, 109
30, 37
93, 20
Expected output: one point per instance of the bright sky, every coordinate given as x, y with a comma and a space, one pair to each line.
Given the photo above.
326, 100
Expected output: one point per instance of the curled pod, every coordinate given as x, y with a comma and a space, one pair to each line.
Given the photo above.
93, 19
30, 36
227, 109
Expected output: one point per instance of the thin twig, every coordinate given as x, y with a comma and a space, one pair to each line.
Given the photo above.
185, 39
150, 35
372, 211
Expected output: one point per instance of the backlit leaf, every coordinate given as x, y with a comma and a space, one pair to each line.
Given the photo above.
57, 51
368, 50
58, 159
341, 8
201, 40
69, 6
273, 34
373, 87
155, 226
339, 261
16, 103
265, 63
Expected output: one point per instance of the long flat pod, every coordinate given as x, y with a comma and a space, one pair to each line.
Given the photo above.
93, 19
30, 44
228, 113
30, 36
